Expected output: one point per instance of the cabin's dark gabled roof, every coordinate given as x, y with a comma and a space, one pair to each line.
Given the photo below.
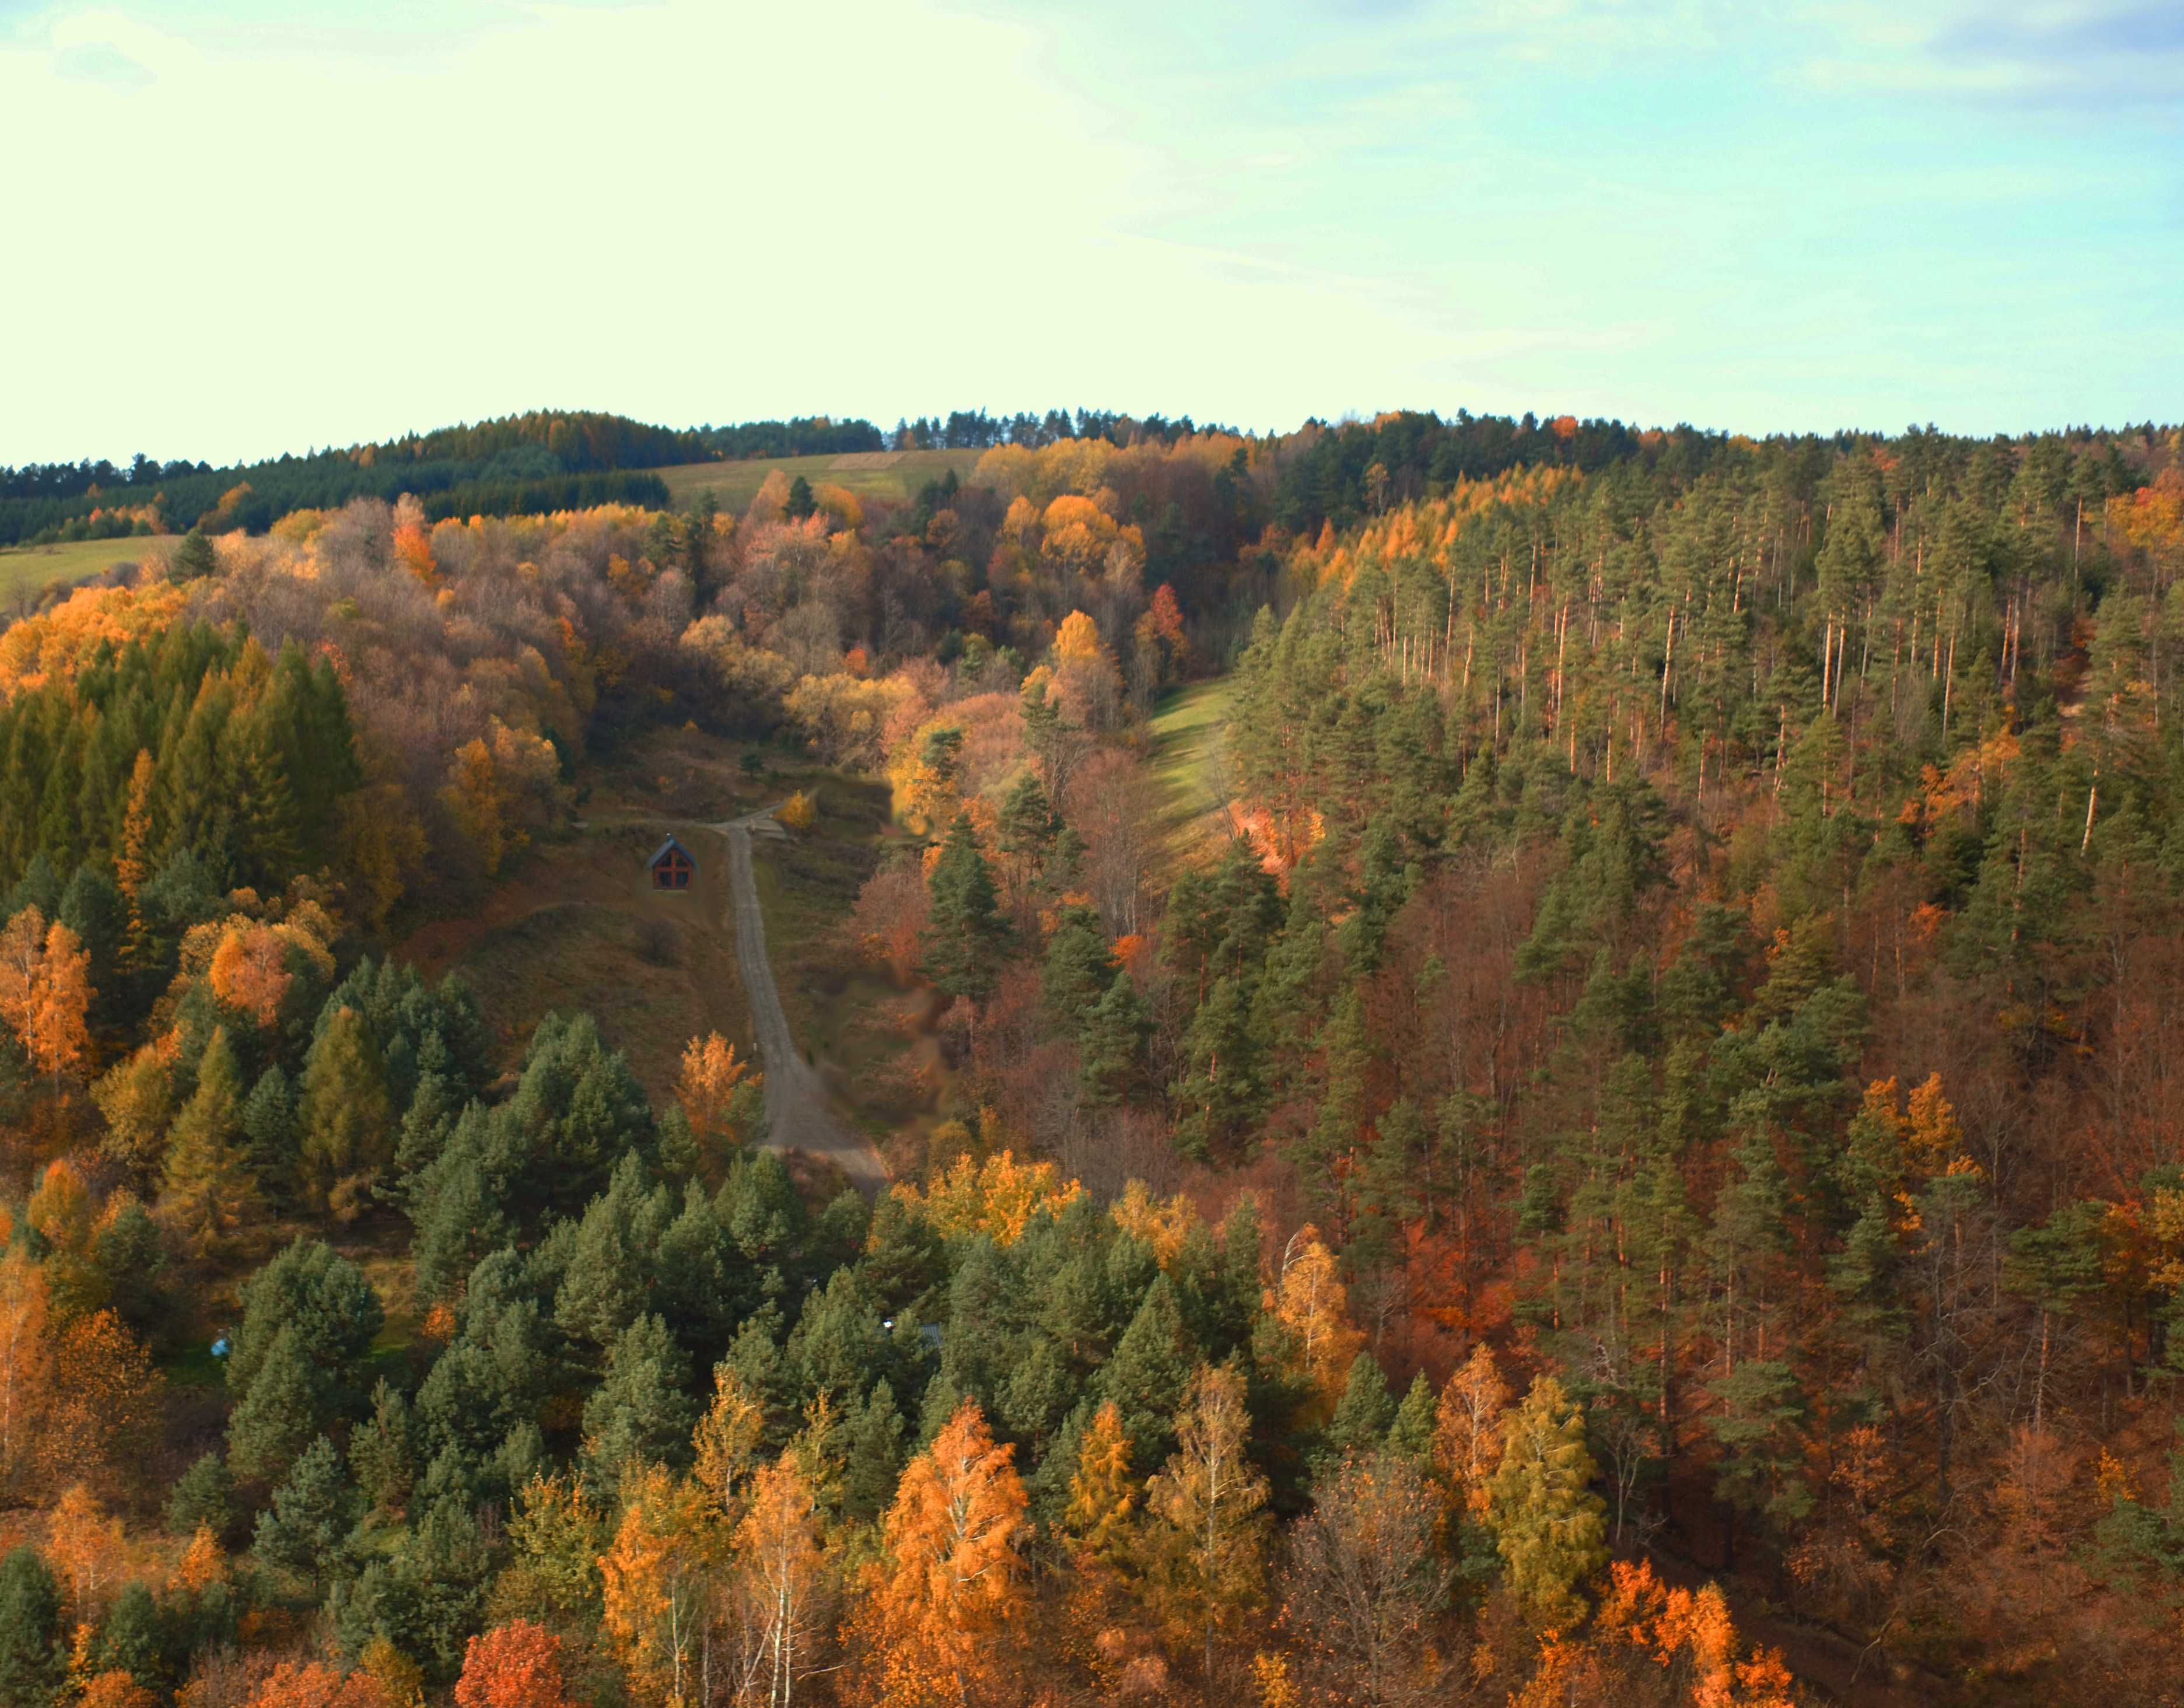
659, 853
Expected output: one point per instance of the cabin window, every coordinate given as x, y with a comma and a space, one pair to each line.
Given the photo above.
671, 870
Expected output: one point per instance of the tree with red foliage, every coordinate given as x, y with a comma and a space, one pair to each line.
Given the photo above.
517, 1665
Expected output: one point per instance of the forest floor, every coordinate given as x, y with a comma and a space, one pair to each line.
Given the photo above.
1191, 771
894, 475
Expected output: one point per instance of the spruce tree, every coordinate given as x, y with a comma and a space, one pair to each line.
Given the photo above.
1112, 1044
132, 1260
1365, 1411
269, 1131
1411, 1435
965, 936
876, 1454
1080, 966
382, 1451
91, 907
1149, 1373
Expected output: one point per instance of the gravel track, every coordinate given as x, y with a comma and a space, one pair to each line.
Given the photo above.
799, 1112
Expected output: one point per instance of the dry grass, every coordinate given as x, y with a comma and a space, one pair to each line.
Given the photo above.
895, 474
579, 929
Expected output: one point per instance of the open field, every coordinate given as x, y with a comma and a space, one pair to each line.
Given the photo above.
578, 925
30, 570
895, 474
1189, 771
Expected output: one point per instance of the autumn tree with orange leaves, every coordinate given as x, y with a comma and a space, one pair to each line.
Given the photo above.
938, 1621
45, 992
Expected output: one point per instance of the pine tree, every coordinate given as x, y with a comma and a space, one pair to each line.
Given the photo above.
279, 1413
641, 1412
965, 935
192, 560
1548, 1525
606, 1284
203, 1496
311, 1514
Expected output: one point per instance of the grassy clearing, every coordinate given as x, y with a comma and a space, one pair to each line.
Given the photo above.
868, 1038
895, 474
30, 569
1189, 771
578, 928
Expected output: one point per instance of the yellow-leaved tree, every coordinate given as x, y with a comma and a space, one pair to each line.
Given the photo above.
655, 1579
1207, 1521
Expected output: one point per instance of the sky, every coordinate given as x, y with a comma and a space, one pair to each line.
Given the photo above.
239, 227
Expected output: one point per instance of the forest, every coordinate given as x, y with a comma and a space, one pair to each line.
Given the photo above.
1613, 1144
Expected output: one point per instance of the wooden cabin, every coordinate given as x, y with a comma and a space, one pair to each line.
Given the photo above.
671, 866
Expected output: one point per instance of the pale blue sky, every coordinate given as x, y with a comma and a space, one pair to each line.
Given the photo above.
240, 228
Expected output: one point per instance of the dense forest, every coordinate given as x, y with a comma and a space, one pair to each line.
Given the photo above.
1623, 1153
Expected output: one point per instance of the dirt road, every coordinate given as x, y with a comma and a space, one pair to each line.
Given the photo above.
799, 1115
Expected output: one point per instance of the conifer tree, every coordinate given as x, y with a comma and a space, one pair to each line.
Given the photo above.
874, 1454
1147, 1377
1411, 1435
31, 1662
965, 935
1080, 964
269, 1130
641, 1410
312, 1511
279, 1413
1366, 1411
1111, 1043
202, 1497
207, 1193
382, 1451
1548, 1525
346, 1121
192, 560
1104, 1496
938, 1621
